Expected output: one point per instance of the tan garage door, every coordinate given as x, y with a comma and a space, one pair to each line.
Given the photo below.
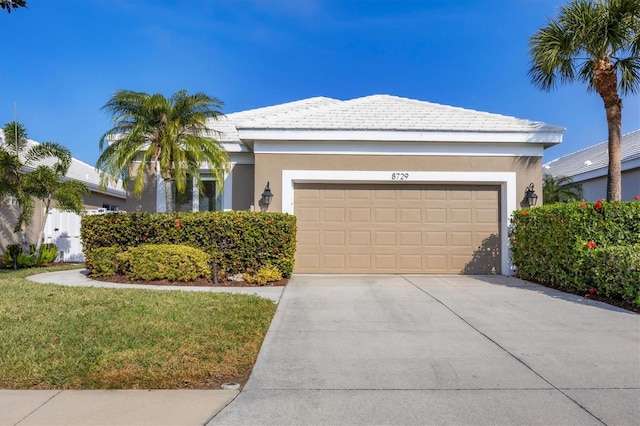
397, 228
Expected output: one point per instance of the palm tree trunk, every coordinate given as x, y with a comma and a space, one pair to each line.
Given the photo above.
614, 172
606, 84
168, 195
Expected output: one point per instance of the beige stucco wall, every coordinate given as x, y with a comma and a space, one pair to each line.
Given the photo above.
8, 217
242, 187
147, 200
269, 167
96, 200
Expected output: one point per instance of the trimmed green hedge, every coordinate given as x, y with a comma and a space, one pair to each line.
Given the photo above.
164, 261
102, 262
235, 241
552, 244
616, 272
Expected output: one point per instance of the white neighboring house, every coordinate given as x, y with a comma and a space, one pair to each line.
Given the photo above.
589, 168
63, 228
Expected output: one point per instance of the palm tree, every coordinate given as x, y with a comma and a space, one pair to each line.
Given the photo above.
596, 42
165, 136
17, 157
12, 4
560, 189
47, 184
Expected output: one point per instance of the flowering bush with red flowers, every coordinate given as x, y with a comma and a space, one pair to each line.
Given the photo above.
555, 244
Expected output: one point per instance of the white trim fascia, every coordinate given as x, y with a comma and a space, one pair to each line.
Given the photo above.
506, 180
603, 171
234, 147
544, 137
385, 148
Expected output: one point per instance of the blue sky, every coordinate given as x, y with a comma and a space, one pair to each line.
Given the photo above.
63, 59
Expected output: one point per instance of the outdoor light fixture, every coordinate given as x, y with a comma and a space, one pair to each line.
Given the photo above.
267, 196
530, 196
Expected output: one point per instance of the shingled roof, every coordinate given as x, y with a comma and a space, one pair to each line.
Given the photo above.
594, 157
372, 113
79, 170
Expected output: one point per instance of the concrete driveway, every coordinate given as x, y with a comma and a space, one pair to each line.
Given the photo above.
441, 350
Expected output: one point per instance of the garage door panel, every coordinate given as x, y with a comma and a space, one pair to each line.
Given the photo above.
410, 239
386, 262
397, 228
435, 238
311, 214
461, 239
334, 238
308, 238
384, 215
360, 262
410, 215
360, 238
458, 215
308, 261
334, 262
360, 215
435, 216
435, 195
333, 214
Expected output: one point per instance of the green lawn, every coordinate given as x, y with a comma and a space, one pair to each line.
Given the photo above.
56, 337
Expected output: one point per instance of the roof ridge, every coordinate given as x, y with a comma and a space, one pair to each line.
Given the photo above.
278, 107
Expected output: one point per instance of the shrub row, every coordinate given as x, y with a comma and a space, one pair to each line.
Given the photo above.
151, 262
573, 246
235, 241
14, 256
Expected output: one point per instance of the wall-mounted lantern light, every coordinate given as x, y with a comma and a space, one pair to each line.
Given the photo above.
267, 196
530, 196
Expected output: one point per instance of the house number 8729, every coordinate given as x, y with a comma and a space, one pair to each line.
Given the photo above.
399, 176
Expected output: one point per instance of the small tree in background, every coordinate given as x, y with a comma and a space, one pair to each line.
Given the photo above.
560, 189
25, 178
48, 185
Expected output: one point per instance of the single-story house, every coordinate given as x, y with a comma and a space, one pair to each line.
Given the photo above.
380, 184
589, 168
61, 228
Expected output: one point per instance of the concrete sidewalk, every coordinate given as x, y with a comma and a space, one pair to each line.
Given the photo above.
441, 350
79, 278
111, 407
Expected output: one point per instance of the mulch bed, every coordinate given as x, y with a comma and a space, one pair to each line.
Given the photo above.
200, 282
600, 298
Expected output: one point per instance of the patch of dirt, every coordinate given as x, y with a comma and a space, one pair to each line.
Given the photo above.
200, 282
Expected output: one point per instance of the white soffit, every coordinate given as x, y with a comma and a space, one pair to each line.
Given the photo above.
393, 148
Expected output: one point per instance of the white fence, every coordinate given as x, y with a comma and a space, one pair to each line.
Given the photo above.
63, 230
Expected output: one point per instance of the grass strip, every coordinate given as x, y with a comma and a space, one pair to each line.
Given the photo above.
56, 337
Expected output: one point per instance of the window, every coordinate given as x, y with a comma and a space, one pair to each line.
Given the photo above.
207, 201
183, 202
111, 207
